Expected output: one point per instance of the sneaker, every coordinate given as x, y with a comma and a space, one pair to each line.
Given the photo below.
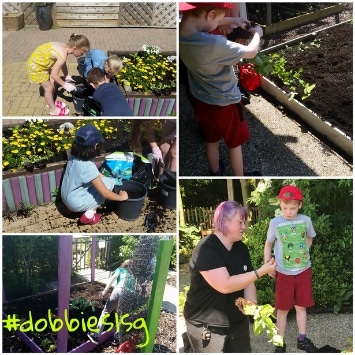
85, 220
94, 337
306, 345
280, 349
220, 170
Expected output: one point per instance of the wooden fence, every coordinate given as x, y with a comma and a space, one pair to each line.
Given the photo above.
82, 253
101, 14
202, 217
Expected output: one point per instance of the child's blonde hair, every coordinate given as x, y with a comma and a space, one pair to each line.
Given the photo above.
79, 41
114, 63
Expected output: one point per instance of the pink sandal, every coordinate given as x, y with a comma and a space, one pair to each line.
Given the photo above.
60, 104
63, 112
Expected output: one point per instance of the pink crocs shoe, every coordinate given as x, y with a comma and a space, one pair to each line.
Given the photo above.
85, 220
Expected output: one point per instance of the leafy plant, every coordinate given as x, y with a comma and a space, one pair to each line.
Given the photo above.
81, 304
25, 211
148, 70
262, 315
182, 298
188, 239
343, 298
35, 141
48, 346
275, 64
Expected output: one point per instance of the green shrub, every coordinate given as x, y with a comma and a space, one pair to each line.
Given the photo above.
189, 236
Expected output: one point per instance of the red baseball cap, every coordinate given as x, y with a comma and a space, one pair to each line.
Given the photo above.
186, 6
290, 193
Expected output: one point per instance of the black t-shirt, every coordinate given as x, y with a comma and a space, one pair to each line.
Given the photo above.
205, 305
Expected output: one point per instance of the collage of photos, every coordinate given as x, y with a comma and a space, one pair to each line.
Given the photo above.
177, 177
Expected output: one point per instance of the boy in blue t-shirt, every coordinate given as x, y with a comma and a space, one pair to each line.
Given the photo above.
292, 235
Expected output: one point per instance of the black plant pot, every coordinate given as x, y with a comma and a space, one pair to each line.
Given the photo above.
156, 92
41, 165
29, 167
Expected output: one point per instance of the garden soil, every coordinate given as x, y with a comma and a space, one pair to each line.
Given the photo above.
53, 218
330, 68
39, 305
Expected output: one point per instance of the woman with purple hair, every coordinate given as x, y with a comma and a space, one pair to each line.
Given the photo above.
221, 271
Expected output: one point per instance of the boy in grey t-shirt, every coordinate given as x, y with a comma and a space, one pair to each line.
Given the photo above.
292, 235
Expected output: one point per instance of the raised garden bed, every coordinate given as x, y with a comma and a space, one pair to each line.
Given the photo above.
329, 66
40, 304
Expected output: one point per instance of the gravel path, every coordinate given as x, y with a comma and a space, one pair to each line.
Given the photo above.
322, 329
278, 146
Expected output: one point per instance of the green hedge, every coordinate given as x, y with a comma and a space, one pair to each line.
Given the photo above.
329, 204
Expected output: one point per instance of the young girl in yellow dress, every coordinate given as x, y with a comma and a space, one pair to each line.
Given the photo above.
45, 63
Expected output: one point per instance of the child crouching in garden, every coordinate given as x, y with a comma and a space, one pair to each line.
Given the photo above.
84, 188
108, 95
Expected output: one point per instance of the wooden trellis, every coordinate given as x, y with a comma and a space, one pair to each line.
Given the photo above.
154, 14
101, 14
11, 7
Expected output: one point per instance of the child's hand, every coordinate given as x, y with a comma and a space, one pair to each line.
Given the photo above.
69, 87
241, 22
256, 29
69, 79
123, 194
269, 267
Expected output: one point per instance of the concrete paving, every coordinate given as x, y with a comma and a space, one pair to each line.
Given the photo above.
21, 98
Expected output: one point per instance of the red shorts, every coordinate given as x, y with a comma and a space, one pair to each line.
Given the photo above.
294, 290
227, 122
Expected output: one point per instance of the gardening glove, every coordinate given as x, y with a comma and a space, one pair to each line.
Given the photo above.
157, 154
69, 79
69, 87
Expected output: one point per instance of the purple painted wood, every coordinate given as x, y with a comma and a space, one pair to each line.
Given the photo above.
64, 274
93, 257
15, 187
30, 181
164, 108
142, 107
130, 103
29, 342
153, 107
58, 176
88, 346
45, 187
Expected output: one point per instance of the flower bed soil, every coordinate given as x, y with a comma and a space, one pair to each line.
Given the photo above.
330, 67
54, 218
40, 304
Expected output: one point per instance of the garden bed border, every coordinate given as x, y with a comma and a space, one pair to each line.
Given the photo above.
302, 19
151, 105
343, 142
21, 189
